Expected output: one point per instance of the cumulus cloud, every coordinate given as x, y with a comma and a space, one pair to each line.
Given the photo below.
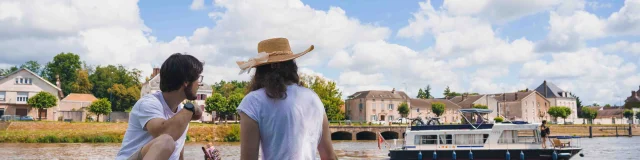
197, 5
624, 47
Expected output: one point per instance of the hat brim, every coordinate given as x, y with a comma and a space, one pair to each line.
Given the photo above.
282, 58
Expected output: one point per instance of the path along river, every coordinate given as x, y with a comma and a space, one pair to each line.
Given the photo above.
607, 148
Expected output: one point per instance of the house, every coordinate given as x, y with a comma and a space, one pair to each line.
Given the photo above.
17, 87
559, 97
468, 101
421, 108
75, 105
375, 105
633, 101
204, 91
528, 106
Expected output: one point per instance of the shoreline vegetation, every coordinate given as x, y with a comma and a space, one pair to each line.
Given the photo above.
104, 132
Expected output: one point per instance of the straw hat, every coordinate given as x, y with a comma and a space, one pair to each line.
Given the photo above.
271, 51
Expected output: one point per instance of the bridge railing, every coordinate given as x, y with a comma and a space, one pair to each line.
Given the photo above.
350, 123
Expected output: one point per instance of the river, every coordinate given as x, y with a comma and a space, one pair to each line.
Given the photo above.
609, 148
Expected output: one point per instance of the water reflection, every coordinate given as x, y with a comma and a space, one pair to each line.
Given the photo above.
595, 148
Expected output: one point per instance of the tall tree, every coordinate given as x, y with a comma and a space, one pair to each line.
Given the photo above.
216, 103
105, 77
99, 107
233, 103
628, 114
607, 105
33, 66
421, 94
329, 94
123, 97
589, 114
437, 108
82, 83
403, 109
446, 92
4, 72
42, 100
66, 65
578, 105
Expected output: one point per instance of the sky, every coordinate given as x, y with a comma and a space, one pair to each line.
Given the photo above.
590, 48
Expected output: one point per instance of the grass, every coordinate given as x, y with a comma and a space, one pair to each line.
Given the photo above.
101, 132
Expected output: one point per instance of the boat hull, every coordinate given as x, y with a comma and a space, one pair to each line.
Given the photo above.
480, 154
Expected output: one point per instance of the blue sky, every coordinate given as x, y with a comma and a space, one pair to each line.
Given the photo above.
479, 46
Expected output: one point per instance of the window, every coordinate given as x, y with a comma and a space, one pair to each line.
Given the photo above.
373, 118
381, 106
418, 110
391, 118
390, 106
471, 138
360, 106
446, 139
519, 136
2, 96
425, 139
22, 96
24, 81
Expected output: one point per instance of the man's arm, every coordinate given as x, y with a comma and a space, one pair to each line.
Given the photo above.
174, 126
250, 138
325, 147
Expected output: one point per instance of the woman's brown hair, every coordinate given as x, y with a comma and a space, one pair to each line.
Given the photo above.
274, 78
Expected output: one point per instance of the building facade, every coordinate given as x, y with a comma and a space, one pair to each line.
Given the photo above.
468, 101
17, 87
375, 106
421, 108
204, 91
559, 97
75, 106
528, 106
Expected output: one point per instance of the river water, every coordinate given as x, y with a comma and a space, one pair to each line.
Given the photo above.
609, 148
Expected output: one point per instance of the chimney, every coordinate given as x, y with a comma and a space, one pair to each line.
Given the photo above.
516, 96
545, 89
156, 70
527, 90
634, 94
393, 90
464, 96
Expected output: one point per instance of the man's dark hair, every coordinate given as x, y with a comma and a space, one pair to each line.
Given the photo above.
274, 78
178, 69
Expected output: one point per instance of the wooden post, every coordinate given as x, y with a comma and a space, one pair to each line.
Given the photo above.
616, 131
630, 131
590, 131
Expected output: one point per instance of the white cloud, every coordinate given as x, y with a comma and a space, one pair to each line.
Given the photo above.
499, 11
627, 20
624, 47
356, 78
197, 5
568, 33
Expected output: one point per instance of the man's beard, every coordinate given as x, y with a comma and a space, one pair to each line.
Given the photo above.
189, 94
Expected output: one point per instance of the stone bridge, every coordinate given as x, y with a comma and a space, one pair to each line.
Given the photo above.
366, 132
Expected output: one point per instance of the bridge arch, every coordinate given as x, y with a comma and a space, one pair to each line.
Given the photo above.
390, 135
365, 135
341, 135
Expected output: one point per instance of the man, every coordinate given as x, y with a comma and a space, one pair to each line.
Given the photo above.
158, 122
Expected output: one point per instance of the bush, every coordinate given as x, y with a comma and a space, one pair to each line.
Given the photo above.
498, 119
233, 135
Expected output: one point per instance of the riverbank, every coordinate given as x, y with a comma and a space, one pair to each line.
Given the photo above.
102, 132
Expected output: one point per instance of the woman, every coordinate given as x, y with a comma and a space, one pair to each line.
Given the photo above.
284, 118
544, 132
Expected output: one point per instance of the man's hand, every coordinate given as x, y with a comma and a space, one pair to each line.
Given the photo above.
197, 113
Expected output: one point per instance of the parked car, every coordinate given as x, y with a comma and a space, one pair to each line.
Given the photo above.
26, 118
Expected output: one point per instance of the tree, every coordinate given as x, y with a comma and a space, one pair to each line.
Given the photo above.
33, 66
403, 109
480, 106
628, 114
42, 100
66, 65
437, 108
446, 92
233, 103
4, 72
329, 94
82, 83
105, 77
607, 105
595, 104
99, 107
420, 94
122, 97
578, 105
638, 115
589, 114
567, 112
559, 111
229, 88
216, 103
